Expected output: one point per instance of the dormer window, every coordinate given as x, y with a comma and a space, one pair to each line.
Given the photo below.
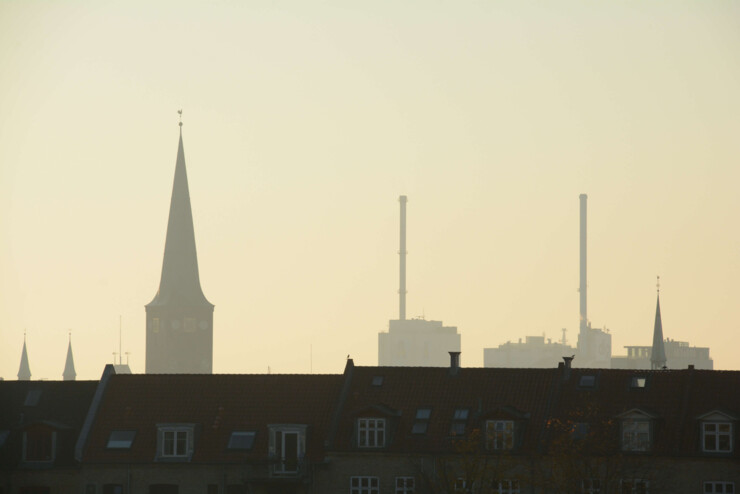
717, 437
287, 447
636, 435
637, 430
717, 431
499, 435
39, 444
175, 441
371, 432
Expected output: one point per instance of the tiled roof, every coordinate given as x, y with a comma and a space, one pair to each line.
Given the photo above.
218, 405
492, 393
61, 404
676, 398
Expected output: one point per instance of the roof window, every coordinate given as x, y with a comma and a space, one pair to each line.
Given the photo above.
638, 382
32, 398
377, 381
120, 439
588, 381
459, 421
243, 440
421, 422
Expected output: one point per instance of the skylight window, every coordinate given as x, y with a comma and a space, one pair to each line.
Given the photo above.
121, 439
243, 440
587, 381
421, 422
32, 398
377, 380
459, 421
638, 382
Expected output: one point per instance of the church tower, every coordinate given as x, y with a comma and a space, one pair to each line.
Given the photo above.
69, 373
657, 356
24, 371
179, 320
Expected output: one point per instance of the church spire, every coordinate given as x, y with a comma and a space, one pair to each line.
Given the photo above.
180, 282
657, 357
24, 372
69, 373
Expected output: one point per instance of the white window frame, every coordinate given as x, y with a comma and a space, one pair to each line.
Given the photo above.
506, 486
500, 435
717, 434
710, 487
163, 430
364, 485
591, 486
175, 434
277, 451
632, 430
371, 432
405, 485
634, 486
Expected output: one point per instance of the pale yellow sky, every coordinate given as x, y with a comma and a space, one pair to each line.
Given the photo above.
303, 123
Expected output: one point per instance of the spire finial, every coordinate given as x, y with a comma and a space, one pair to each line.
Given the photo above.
180, 113
657, 285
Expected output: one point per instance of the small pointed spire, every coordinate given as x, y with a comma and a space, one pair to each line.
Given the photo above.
657, 357
69, 373
24, 372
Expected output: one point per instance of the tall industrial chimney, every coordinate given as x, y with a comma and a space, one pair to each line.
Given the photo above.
582, 288
402, 254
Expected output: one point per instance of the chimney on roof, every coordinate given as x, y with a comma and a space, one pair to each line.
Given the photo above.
566, 366
402, 264
454, 363
583, 285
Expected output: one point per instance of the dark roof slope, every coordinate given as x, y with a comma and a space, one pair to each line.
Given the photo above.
218, 405
522, 394
62, 405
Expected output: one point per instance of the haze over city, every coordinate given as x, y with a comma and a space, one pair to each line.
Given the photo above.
303, 123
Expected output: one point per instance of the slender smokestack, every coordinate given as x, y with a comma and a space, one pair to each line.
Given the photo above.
582, 288
454, 362
402, 254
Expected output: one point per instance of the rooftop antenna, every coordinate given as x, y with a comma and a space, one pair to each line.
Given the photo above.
127, 354
402, 264
120, 339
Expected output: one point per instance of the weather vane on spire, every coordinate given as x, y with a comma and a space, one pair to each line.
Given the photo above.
180, 112
658, 284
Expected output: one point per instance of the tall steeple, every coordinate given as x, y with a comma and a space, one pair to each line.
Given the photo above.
69, 373
179, 318
24, 372
657, 357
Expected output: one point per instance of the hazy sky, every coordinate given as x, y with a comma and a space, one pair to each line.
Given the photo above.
304, 122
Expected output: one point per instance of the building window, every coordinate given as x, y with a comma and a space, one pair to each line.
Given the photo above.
288, 447
175, 441
505, 487
638, 382
112, 489
163, 489
120, 439
39, 444
371, 433
588, 381
717, 437
377, 381
719, 487
243, 440
364, 485
591, 486
633, 486
421, 421
405, 485
459, 421
461, 486
499, 434
635, 435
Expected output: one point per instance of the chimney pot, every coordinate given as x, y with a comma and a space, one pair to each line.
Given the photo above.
454, 362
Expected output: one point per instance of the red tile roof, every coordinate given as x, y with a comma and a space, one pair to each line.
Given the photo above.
218, 405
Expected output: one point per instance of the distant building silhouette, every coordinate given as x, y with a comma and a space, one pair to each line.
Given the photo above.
24, 371
69, 373
414, 342
179, 320
535, 353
